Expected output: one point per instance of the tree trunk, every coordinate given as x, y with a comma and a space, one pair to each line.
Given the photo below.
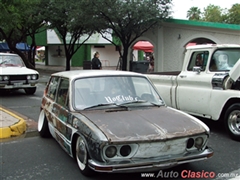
68, 60
124, 58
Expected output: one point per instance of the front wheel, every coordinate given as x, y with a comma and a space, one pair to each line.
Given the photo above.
232, 121
82, 157
30, 91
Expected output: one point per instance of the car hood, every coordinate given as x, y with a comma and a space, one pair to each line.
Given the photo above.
145, 124
234, 73
16, 70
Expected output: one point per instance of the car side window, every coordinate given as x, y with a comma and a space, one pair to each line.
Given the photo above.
52, 87
198, 59
62, 97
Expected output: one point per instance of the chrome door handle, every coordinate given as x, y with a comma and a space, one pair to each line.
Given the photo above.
183, 76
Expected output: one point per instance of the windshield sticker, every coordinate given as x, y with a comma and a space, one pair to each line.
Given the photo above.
120, 98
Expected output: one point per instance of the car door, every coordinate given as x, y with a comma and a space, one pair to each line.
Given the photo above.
194, 88
49, 98
61, 113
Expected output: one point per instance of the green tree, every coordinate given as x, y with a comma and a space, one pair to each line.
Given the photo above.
194, 13
18, 20
74, 22
213, 13
130, 19
233, 15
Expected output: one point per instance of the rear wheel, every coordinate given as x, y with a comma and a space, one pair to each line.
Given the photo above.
82, 157
43, 125
232, 121
30, 91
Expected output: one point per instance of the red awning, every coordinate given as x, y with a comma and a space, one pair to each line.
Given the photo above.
144, 46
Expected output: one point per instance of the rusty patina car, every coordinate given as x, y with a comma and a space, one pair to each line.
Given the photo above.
115, 121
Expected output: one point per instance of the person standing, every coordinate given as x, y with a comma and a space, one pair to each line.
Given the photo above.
96, 63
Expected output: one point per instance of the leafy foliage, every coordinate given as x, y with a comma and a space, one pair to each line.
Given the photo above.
214, 13
194, 13
72, 19
130, 19
20, 19
233, 16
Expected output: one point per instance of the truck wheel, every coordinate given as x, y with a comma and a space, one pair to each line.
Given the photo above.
43, 126
82, 157
30, 91
232, 121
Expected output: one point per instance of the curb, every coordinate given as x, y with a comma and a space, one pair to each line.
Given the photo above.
16, 129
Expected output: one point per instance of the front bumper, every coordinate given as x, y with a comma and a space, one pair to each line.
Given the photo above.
18, 84
143, 165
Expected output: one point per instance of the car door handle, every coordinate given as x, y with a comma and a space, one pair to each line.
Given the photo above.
183, 76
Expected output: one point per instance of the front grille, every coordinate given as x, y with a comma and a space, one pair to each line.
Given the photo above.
18, 77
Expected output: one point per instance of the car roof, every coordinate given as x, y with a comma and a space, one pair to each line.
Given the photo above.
93, 73
213, 46
9, 54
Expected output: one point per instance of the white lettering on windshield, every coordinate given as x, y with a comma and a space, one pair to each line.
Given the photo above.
120, 98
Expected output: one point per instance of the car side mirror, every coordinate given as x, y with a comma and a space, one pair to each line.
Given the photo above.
197, 69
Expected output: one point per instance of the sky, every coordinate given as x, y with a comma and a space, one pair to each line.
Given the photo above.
180, 7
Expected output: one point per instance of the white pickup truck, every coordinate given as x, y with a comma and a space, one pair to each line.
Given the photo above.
207, 86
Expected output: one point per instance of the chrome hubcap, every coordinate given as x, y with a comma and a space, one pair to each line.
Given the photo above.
234, 122
40, 120
81, 153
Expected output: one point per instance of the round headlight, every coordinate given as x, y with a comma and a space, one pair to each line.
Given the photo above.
125, 150
190, 143
5, 78
198, 142
34, 77
111, 151
28, 77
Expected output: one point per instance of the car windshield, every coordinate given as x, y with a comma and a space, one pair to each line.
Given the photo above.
224, 59
114, 91
11, 60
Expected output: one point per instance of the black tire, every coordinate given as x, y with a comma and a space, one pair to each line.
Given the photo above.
232, 121
43, 128
30, 91
81, 155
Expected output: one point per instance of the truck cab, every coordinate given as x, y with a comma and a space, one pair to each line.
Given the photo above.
208, 85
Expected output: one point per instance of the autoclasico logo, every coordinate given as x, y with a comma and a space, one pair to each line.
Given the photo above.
185, 174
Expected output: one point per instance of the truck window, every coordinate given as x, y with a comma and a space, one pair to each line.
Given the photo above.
224, 59
198, 58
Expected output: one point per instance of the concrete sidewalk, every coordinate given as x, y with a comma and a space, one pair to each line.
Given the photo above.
11, 124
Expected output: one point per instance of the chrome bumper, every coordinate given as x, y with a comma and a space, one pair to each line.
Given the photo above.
142, 165
18, 84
